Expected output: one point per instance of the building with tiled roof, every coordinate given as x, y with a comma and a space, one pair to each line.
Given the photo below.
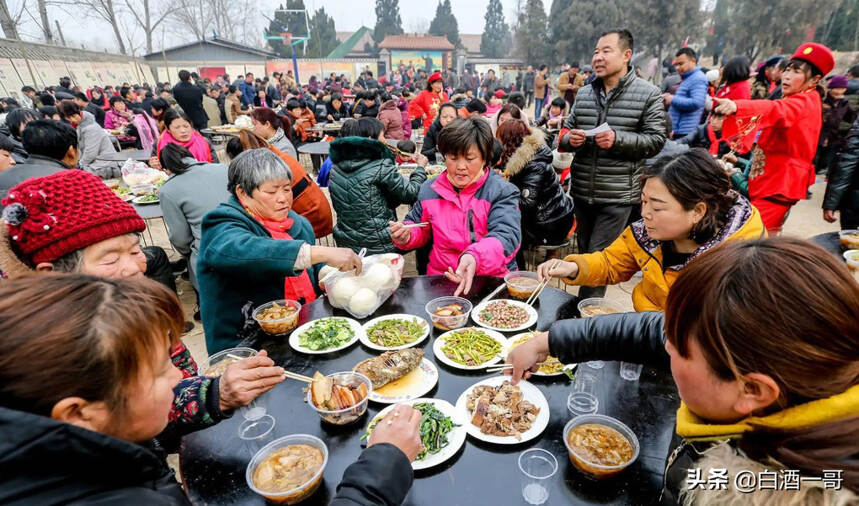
428, 52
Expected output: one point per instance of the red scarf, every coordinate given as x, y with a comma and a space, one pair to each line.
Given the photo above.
714, 142
197, 145
299, 287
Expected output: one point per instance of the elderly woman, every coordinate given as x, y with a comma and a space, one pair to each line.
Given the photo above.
178, 129
193, 189
473, 213
275, 129
118, 116
446, 114
255, 248
98, 397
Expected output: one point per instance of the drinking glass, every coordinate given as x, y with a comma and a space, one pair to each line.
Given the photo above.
256, 409
596, 364
257, 433
630, 372
537, 467
582, 403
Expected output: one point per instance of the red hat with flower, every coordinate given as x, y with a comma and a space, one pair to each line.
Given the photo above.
52, 216
436, 76
816, 54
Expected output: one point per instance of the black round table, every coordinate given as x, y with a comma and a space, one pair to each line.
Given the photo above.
316, 150
213, 462
830, 242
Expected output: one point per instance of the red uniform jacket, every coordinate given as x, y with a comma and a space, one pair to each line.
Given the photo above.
741, 90
426, 104
790, 128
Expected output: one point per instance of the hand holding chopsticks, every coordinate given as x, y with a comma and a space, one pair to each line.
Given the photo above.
505, 367
534, 296
286, 374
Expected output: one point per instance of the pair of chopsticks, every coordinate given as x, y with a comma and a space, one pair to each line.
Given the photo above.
286, 374
541, 286
493, 294
416, 225
510, 366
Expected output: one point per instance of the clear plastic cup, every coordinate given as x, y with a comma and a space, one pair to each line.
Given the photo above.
582, 403
585, 380
596, 364
537, 467
630, 372
257, 433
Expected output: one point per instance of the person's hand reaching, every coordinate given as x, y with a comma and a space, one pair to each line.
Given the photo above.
526, 357
401, 428
561, 270
464, 274
247, 379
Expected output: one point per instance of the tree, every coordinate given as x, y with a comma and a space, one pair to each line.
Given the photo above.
445, 23
105, 10
575, 27
293, 22
8, 22
46, 23
842, 31
661, 25
388, 20
323, 35
531, 26
719, 34
227, 19
148, 20
495, 41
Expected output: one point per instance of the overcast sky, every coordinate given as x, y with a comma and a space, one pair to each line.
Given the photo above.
349, 15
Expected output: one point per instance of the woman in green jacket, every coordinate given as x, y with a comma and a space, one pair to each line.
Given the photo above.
254, 248
366, 187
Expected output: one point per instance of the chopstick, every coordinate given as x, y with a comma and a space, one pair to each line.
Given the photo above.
510, 366
415, 225
541, 286
286, 374
493, 294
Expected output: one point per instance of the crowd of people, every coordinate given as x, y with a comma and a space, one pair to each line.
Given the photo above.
682, 184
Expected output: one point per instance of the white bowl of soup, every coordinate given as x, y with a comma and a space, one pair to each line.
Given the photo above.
289, 469
521, 284
596, 306
600, 446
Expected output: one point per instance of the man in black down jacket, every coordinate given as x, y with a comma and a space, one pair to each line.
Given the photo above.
607, 167
842, 191
190, 99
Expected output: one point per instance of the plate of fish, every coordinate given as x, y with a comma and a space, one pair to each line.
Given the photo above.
504, 315
399, 376
442, 430
501, 413
469, 348
394, 332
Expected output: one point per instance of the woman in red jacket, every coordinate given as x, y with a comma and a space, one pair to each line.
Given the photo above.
782, 168
427, 103
734, 81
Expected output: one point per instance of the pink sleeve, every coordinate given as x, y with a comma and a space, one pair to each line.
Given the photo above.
420, 235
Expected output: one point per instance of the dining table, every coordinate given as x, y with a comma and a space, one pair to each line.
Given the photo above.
138, 155
213, 462
316, 150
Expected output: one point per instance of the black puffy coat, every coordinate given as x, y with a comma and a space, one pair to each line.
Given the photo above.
842, 191
46, 462
547, 212
190, 99
428, 149
365, 189
634, 110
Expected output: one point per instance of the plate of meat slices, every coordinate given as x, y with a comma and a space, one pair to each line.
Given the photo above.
504, 315
501, 413
399, 376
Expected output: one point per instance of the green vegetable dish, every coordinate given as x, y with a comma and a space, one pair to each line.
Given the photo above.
435, 427
326, 333
149, 198
470, 347
396, 332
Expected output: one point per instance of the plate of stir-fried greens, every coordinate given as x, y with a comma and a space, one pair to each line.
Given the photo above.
394, 332
442, 430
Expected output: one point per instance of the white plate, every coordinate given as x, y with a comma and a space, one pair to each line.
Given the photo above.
530, 393
439, 354
139, 201
365, 337
510, 346
532, 315
293, 338
428, 379
455, 438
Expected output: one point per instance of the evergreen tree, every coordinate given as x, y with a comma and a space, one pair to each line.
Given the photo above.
842, 30
388, 20
292, 22
495, 41
661, 26
575, 27
323, 35
445, 23
531, 33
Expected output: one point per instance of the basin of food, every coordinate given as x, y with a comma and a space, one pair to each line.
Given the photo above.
849, 239
217, 364
595, 306
448, 313
339, 398
521, 284
278, 316
852, 259
289, 469
600, 446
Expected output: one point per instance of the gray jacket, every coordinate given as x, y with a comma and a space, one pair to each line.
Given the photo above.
283, 144
35, 166
634, 111
185, 199
93, 141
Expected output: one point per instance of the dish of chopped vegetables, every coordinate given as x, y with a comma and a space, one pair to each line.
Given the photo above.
326, 334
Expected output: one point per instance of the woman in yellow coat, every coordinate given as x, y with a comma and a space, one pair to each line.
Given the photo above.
687, 208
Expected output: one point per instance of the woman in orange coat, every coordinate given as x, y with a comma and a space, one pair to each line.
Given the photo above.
782, 168
427, 103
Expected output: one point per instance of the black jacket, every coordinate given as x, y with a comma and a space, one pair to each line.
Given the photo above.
362, 109
99, 113
842, 191
190, 99
634, 110
547, 212
428, 148
699, 138
45, 462
337, 114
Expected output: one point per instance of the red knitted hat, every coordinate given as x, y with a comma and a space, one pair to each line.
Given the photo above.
52, 216
818, 55
436, 76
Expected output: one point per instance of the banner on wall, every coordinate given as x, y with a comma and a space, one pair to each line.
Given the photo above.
24, 72
420, 59
211, 72
10, 79
60, 70
82, 74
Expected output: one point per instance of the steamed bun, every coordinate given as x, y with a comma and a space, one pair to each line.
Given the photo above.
324, 271
343, 290
363, 302
379, 277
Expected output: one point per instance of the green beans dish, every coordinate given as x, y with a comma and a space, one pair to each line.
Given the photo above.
396, 332
470, 347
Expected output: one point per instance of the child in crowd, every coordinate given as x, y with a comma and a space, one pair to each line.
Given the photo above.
554, 114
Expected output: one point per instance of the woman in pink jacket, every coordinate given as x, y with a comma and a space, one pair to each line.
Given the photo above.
473, 213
